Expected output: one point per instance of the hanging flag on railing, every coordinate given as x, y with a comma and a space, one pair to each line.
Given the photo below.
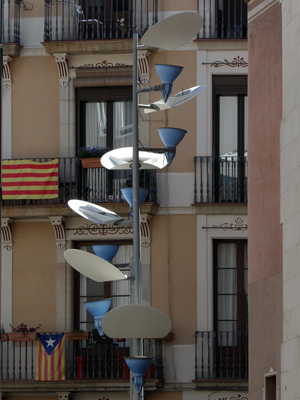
25, 179
50, 357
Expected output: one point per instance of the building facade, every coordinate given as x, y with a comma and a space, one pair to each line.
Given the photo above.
67, 84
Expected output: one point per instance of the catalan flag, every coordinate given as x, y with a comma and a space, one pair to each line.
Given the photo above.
51, 357
25, 179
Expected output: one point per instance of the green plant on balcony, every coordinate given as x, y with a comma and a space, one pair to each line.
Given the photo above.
22, 333
90, 156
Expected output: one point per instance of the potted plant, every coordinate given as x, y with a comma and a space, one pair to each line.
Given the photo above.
22, 333
90, 156
77, 334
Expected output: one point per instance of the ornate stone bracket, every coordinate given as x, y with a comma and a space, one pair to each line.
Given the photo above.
6, 74
6, 234
145, 230
59, 231
144, 63
63, 68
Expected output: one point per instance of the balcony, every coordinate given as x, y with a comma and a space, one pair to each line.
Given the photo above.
98, 359
221, 355
220, 179
96, 185
11, 21
223, 19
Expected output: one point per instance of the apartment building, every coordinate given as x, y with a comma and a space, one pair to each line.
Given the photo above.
67, 84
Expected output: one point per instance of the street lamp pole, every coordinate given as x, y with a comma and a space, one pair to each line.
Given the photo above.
135, 284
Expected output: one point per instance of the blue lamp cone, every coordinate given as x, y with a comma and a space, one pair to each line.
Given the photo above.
106, 251
98, 309
128, 196
139, 366
171, 137
167, 75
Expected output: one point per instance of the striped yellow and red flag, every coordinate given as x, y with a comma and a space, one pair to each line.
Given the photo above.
51, 357
25, 179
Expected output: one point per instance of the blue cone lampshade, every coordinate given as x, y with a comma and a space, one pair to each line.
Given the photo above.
139, 366
128, 195
106, 251
98, 309
167, 75
171, 137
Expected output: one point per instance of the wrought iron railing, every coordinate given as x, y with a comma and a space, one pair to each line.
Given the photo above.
11, 21
223, 19
221, 355
220, 179
96, 185
96, 358
97, 19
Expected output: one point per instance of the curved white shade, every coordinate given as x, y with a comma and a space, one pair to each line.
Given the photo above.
176, 100
123, 158
97, 214
92, 266
136, 321
174, 31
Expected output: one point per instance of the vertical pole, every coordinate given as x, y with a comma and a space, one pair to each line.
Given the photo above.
1, 63
135, 286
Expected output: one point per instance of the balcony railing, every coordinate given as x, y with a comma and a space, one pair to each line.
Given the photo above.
93, 359
97, 19
96, 185
223, 19
11, 21
221, 355
220, 179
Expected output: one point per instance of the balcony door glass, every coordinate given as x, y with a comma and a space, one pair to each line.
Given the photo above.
231, 306
88, 290
230, 138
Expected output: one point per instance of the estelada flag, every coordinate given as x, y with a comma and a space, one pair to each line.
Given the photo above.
25, 179
51, 357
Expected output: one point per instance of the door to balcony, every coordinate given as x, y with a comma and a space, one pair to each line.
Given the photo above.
230, 137
231, 308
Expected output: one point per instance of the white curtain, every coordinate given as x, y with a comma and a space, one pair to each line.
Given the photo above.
95, 125
122, 124
227, 287
120, 290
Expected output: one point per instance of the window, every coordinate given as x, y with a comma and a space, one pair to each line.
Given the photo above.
230, 137
231, 305
87, 290
104, 119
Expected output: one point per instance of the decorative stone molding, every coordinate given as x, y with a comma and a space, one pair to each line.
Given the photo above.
144, 66
145, 230
6, 234
59, 231
63, 68
6, 74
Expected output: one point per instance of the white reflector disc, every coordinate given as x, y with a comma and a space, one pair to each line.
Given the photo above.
92, 266
136, 321
174, 31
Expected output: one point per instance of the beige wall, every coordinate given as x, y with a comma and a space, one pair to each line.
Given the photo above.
171, 5
35, 107
173, 273
265, 231
184, 116
34, 275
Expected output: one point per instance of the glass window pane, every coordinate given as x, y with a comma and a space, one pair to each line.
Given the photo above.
95, 124
228, 125
227, 255
227, 281
227, 307
122, 124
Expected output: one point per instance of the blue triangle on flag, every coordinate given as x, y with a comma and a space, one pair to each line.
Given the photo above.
50, 342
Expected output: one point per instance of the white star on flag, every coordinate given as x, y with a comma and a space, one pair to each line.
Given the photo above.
50, 342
